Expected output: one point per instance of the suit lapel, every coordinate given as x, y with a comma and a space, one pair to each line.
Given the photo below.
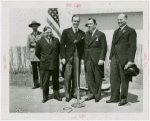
114, 38
45, 42
87, 36
93, 38
125, 29
79, 34
50, 47
71, 33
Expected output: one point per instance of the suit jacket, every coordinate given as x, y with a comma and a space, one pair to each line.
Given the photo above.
68, 46
48, 54
95, 48
31, 43
125, 45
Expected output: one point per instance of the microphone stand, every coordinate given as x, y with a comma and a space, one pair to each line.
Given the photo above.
78, 104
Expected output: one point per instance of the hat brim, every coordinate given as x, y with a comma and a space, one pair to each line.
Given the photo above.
30, 25
87, 24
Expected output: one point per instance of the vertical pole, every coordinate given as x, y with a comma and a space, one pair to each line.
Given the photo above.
77, 75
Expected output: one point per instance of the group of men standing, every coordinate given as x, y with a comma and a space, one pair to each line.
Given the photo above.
89, 48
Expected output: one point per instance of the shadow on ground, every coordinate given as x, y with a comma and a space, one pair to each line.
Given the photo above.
132, 98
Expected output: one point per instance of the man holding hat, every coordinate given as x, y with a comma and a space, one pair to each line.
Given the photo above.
95, 48
122, 56
31, 43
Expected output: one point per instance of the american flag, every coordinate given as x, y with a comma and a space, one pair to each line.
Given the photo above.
53, 20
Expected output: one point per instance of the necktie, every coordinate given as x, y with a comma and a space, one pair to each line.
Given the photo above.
50, 41
120, 29
90, 35
35, 34
76, 33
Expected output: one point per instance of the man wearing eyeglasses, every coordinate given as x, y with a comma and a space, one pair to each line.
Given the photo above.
47, 50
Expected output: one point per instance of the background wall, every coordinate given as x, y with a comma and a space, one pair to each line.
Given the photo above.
107, 23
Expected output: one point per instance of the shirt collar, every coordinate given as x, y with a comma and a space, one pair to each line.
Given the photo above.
35, 33
47, 39
122, 27
93, 31
74, 29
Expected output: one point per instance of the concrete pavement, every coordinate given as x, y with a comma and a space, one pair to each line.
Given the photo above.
25, 100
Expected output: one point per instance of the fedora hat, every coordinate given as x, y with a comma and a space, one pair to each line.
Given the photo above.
34, 23
132, 70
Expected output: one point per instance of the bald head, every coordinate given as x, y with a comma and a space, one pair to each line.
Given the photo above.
122, 19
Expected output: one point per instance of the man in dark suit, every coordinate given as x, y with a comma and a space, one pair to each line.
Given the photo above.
95, 49
122, 55
71, 54
47, 50
31, 43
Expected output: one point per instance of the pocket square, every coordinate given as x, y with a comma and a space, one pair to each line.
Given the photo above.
82, 38
97, 39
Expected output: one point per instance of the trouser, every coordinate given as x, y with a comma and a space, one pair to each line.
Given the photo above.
94, 80
35, 71
117, 79
72, 70
45, 77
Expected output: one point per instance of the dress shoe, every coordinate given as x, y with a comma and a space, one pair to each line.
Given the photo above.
110, 101
68, 99
97, 100
44, 100
58, 98
88, 99
35, 87
122, 102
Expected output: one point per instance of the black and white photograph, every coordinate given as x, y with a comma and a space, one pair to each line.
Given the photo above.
75, 60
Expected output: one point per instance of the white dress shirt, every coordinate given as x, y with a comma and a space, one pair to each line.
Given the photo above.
122, 27
47, 40
74, 30
93, 31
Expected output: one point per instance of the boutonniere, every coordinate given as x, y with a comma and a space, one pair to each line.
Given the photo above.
124, 31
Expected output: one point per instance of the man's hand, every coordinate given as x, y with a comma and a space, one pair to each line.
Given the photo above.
100, 62
127, 65
82, 62
109, 61
63, 61
28, 62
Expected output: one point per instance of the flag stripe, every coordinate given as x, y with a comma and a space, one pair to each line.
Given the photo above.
53, 27
54, 23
